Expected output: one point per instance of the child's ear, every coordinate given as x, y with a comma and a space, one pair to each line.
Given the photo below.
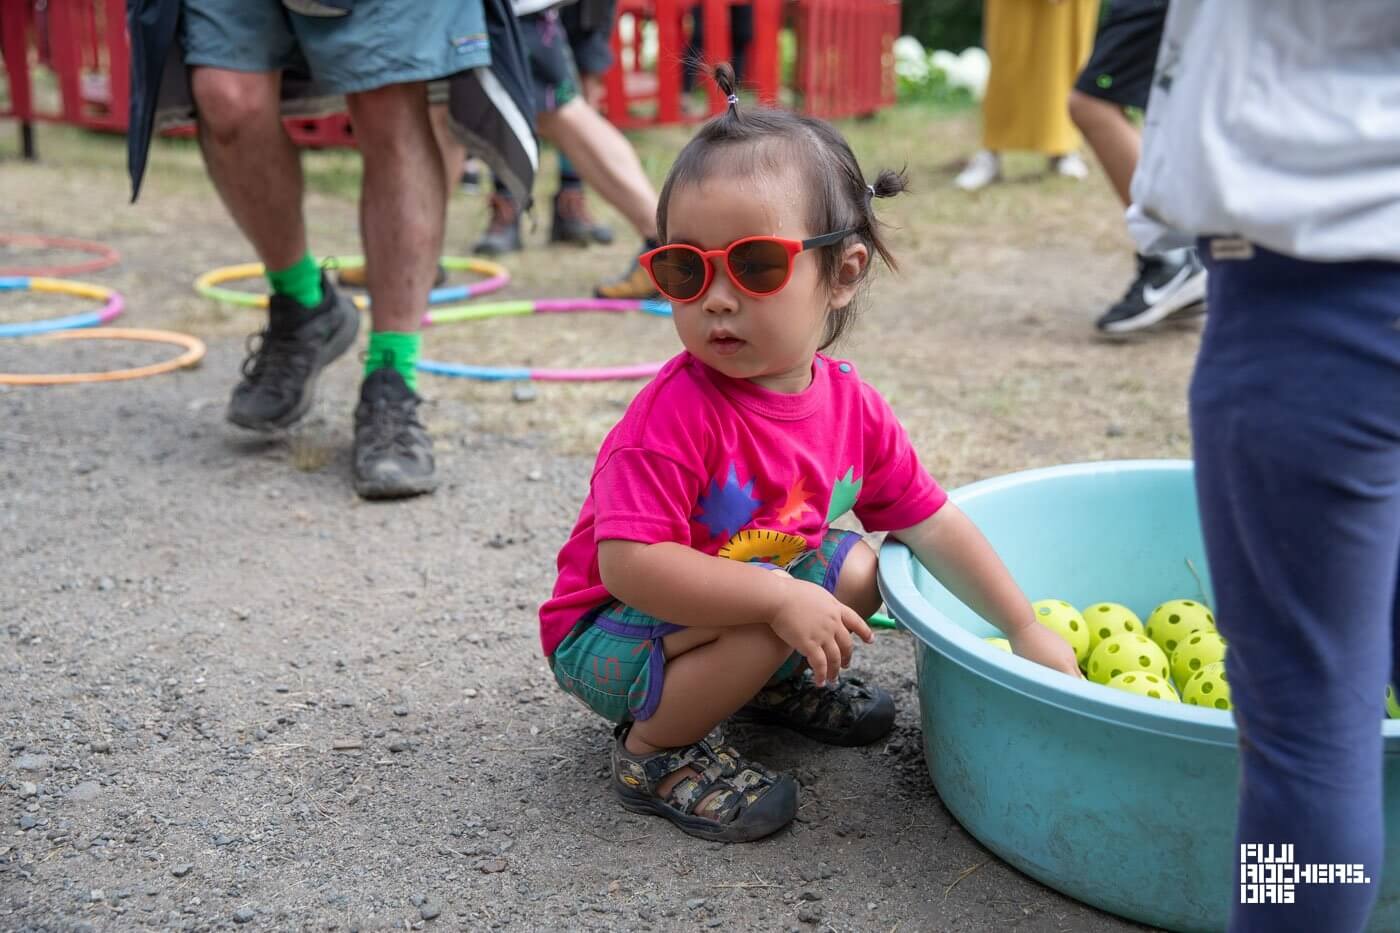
848, 275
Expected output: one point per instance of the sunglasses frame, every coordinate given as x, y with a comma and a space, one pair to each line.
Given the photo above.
793, 247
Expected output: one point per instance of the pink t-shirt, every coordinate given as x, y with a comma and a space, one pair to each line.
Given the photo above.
735, 470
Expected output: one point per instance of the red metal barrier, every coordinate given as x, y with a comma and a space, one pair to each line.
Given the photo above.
845, 57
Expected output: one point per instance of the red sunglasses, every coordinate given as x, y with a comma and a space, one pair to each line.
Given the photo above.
757, 265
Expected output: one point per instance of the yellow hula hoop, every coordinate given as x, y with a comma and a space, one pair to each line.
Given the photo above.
210, 283
194, 352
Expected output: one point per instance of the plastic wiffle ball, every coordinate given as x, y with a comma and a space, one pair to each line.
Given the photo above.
1125, 653
1064, 620
1108, 619
1392, 705
1208, 687
1172, 621
1198, 650
1145, 684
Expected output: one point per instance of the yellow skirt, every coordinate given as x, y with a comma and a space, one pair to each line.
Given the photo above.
1037, 48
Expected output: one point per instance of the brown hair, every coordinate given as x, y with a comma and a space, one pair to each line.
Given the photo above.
838, 196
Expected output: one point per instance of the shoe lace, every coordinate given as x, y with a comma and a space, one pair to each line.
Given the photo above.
388, 426
275, 354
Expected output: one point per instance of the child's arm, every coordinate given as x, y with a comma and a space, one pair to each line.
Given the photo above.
687, 587
955, 551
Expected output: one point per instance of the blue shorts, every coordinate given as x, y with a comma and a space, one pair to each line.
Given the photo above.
381, 42
613, 660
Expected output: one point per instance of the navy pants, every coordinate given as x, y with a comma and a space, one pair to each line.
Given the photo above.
1295, 416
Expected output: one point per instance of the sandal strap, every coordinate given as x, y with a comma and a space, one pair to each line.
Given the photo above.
723, 775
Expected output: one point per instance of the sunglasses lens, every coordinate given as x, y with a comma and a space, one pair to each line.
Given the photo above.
679, 272
761, 266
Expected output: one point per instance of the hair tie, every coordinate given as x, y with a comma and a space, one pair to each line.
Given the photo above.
869, 192
733, 100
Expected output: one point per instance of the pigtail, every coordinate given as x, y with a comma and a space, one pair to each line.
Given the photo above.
723, 75
887, 184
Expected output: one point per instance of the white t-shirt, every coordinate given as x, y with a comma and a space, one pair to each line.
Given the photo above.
1277, 121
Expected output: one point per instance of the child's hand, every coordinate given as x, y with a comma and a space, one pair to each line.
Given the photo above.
1035, 642
818, 626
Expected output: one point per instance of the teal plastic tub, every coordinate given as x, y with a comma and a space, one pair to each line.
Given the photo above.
1122, 802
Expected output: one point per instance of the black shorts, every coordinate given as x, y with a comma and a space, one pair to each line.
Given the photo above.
589, 24
1125, 53
551, 62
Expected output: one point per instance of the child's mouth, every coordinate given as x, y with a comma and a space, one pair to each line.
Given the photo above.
725, 344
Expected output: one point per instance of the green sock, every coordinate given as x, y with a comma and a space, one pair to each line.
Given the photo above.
396, 350
300, 281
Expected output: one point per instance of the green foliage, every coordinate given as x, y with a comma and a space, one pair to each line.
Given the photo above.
943, 24
934, 88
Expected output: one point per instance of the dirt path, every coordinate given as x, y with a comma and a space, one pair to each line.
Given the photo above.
235, 695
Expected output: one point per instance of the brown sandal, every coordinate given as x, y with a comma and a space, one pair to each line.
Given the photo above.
729, 799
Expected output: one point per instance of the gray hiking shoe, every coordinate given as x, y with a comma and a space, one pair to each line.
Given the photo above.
393, 456
284, 359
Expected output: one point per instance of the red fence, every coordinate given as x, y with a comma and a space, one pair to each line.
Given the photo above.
844, 65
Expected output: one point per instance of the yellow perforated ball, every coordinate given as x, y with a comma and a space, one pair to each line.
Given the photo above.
1064, 620
1126, 653
1145, 684
1172, 621
1198, 650
1208, 687
1108, 619
1392, 705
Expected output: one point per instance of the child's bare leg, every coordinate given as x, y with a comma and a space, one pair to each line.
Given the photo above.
857, 586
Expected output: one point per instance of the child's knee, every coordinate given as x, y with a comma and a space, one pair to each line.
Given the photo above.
857, 585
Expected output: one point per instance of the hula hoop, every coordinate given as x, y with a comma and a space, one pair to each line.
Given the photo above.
194, 352
497, 277
108, 312
106, 256
542, 306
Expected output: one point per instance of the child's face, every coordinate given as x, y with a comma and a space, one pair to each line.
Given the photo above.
770, 340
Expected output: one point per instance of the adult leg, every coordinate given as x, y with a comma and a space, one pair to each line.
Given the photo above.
1111, 135
604, 159
402, 212
254, 165
257, 172
1295, 410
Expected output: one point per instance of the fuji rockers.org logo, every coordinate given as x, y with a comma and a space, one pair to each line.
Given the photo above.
1269, 874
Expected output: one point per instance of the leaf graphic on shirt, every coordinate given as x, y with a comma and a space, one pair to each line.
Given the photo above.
725, 509
796, 503
844, 495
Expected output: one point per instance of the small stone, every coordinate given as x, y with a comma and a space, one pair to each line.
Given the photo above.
494, 866
106, 583
430, 910
810, 914
101, 746
28, 789
181, 870
810, 896
87, 790
400, 710
244, 915
282, 688
714, 923
346, 744
524, 392
469, 693
534, 476
403, 745
695, 903
32, 762
28, 821
1113, 430
97, 894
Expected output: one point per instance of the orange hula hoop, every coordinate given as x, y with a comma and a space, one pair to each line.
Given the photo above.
194, 352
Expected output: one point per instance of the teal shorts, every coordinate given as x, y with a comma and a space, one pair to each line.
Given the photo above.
613, 661
379, 43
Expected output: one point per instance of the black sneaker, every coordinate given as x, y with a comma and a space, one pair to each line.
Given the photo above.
503, 232
393, 455
279, 373
573, 223
1161, 289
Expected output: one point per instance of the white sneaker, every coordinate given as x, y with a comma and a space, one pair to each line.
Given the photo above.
1069, 166
981, 170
